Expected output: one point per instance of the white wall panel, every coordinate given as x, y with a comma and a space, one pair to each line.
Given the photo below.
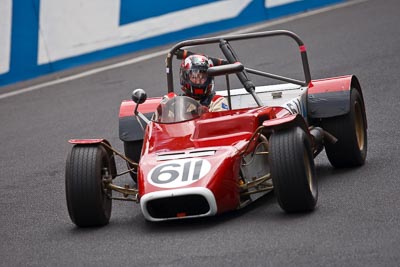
95, 25
275, 3
5, 34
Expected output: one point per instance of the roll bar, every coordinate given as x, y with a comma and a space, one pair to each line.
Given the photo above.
223, 42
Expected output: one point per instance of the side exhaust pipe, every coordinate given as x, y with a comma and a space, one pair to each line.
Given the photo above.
320, 137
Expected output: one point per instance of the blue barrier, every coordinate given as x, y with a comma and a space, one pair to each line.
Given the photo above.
44, 36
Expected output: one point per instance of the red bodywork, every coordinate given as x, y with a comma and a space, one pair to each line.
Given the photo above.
128, 106
329, 85
217, 138
85, 141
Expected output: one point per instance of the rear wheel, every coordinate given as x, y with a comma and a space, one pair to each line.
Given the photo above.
351, 131
133, 150
292, 170
88, 201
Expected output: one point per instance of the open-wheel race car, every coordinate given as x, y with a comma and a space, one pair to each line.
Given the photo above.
186, 162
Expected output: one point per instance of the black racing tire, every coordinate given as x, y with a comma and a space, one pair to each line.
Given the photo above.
89, 203
292, 170
351, 131
133, 150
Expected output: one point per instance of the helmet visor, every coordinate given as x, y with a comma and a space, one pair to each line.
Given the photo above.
198, 77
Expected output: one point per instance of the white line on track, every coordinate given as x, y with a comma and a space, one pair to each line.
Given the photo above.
164, 52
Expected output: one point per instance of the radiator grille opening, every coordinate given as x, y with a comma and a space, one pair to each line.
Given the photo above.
177, 206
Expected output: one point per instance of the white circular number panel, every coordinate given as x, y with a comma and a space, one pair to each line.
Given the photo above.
178, 173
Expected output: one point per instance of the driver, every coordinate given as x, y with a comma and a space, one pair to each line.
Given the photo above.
197, 85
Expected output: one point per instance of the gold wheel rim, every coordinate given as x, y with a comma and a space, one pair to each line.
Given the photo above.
359, 125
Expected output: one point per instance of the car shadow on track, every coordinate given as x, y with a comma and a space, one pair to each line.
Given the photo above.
265, 208
325, 171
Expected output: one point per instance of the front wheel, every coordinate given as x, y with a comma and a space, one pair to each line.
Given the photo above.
88, 201
292, 170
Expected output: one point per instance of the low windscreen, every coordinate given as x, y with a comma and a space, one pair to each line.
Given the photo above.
178, 109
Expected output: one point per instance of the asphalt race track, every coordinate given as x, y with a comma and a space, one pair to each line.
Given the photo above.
357, 220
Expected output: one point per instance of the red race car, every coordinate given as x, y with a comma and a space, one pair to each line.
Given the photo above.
186, 162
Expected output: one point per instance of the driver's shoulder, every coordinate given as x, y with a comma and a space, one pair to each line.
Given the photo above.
217, 97
168, 96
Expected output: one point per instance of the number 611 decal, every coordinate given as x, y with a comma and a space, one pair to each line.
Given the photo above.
178, 173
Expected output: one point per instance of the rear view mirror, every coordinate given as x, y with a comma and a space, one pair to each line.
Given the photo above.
139, 96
